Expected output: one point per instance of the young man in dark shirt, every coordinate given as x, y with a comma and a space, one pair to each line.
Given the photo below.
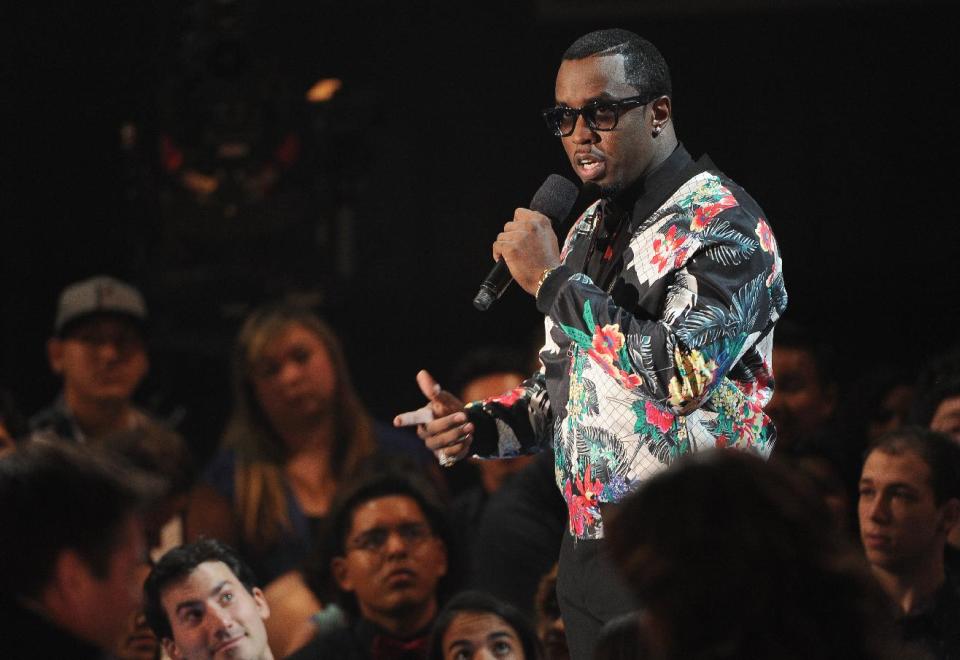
387, 557
909, 502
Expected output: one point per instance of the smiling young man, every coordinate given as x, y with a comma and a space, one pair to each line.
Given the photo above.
387, 557
202, 603
659, 306
909, 502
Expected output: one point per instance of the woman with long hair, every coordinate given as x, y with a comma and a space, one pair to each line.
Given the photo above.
298, 430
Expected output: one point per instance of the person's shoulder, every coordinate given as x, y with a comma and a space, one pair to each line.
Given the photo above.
54, 418
334, 638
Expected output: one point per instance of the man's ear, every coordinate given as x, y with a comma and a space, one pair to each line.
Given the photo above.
662, 109
341, 573
55, 355
949, 514
170, 647
262, 605
71, 578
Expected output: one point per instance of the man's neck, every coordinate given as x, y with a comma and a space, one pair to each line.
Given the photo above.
99, 417
403, 623
912, 589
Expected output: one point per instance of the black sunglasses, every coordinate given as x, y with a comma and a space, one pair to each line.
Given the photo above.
600, 115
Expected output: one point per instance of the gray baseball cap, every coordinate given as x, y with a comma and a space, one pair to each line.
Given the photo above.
98, 295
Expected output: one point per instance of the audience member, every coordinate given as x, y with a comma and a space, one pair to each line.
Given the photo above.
474, 625
480, 374
163, 453
519, 535
823, 460
805, 397
298, 431
882, 400
549, 619
937, 404
202, 602
732, 557
12, 424
71, 550
909, 502
138, 642
624, 639
384, 566
99, 352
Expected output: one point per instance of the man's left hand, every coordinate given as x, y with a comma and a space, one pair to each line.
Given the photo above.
529, 246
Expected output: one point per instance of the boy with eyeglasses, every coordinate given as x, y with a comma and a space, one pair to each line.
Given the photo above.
660, 308
387, 556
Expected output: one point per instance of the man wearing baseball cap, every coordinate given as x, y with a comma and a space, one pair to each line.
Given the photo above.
98, 350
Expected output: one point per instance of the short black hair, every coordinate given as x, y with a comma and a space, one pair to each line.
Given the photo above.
937, 450
56, 496
480, 601
644, 66
178, 564
384, 480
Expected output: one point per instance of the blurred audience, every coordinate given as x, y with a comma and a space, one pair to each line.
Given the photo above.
164, 454
297, 432
550, 628
909, 502
99, 351
202, 602
805, 395
483, 373
71, 551
385, 567
138, 642
12, 423
880, 401
937, 404
519, 535
475, 626
623, 638
732, 557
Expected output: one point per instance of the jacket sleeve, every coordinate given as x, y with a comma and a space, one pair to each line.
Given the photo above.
723, 291
515, 423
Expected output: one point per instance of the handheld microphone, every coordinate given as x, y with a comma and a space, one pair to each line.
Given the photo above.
555, 198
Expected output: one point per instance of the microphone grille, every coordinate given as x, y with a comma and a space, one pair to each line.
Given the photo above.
555, 198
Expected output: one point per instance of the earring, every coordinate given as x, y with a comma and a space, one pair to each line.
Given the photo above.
657, 129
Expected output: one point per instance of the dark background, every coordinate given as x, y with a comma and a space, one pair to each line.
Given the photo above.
839, 121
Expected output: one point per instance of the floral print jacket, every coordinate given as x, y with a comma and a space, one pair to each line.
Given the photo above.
658, 340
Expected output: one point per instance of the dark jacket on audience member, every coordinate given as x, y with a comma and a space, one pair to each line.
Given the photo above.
362, 640
937, 628
26, 635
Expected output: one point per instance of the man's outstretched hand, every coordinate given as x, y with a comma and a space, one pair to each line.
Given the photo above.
442, 423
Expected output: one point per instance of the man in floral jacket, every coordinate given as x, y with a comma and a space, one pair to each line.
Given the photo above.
659, 307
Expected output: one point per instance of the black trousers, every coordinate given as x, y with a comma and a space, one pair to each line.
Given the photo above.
590, 592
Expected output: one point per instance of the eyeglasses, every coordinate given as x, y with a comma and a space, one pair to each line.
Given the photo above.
600, 115
374, 540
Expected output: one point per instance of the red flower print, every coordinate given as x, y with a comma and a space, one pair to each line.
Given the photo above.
722, 441
662, 419
767, 241
607, 342
507, 399
582, 506
704, 214
666, 247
